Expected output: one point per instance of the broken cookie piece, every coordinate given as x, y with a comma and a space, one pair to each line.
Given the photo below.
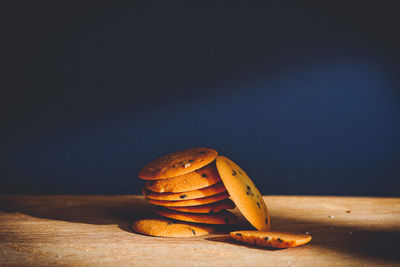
271, 239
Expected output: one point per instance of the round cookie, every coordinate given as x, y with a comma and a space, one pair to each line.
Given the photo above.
270, 239
207, 208
195, 180
169, 228
177, 163
191, 202
244, 193
223, 217
204, 192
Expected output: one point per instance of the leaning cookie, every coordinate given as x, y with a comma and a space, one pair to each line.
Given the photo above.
169, 228
178, 163
244, 193
270, 239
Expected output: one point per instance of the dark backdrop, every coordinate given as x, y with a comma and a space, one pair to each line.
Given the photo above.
303, 95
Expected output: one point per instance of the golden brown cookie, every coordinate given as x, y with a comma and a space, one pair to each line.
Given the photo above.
195, 180
223, 217
169, 228
225, 204
191, 202
270, 239
178, 163
244, 193
204, 192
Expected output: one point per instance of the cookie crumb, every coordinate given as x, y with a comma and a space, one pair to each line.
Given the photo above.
331, 216
307, 233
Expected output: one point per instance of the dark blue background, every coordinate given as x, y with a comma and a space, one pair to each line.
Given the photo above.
303, 95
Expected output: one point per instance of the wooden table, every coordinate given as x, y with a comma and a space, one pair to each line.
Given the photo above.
94, 230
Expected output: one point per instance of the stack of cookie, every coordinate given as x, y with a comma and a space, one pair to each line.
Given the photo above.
192, 190
194, 186
187, 187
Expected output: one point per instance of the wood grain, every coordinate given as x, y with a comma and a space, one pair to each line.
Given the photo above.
94, 230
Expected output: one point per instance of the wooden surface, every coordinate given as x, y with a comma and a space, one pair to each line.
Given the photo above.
94, 230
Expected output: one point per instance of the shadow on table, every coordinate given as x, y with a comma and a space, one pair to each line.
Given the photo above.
100, 210
368, 243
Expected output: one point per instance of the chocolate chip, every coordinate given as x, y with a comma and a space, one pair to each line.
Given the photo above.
258, 204
348, 211
194, 232
234, 173
204, 175
267, 238
249, 192
190, 160
238, 234
173, 166
280, 240
183, 196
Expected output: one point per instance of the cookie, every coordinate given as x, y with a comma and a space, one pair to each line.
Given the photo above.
223, 217
169, 228
244, 193
208, 208
178, 163
204, 192
195, 180
190, 202
270, 239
